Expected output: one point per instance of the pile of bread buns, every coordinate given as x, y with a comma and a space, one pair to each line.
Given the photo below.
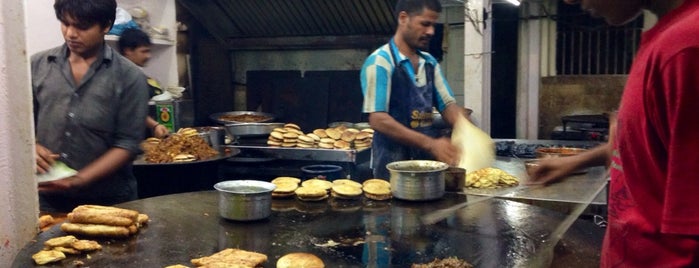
103, 221
238, 258
340, 137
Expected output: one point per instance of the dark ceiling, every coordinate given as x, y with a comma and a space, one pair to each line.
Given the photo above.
292, 24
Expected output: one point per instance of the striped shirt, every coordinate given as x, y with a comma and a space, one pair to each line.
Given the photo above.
377, 72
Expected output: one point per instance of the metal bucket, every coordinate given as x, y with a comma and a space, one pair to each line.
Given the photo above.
417, 180
245, 200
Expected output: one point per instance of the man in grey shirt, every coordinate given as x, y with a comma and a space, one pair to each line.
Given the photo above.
90, 105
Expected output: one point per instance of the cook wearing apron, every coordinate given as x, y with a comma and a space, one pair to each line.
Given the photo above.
410, 105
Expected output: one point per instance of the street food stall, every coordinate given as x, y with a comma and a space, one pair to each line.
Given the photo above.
496, 228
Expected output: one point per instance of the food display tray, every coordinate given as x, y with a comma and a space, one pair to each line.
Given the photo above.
312, 154
223, 153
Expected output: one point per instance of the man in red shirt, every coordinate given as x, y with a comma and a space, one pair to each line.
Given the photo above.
653, 205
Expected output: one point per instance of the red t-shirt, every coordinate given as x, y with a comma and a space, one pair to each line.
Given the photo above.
654, 190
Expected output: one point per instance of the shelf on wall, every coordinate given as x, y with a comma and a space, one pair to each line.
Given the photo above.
111, 37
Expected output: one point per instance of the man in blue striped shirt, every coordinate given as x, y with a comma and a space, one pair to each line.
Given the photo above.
401, 84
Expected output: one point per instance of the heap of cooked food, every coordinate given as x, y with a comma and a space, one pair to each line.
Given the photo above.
340, 137
451, 262
103, 221
56, 249
184, 146
245, 118
231, 257
490, 178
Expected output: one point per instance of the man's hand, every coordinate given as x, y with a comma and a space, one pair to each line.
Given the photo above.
65, 185
549, 170
44, 159
444, 151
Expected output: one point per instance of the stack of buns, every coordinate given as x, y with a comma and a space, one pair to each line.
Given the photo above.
340, 137
103, 221
286, 186
56, 248
346, 189
377, 189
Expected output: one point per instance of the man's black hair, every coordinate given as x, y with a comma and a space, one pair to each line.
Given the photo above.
87, 12
132, 38
414, 7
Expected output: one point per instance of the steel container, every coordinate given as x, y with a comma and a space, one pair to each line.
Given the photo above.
417, 180
214, 136
220, 117
245, 200
252, 129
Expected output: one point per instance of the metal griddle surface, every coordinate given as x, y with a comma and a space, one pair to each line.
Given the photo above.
360, 233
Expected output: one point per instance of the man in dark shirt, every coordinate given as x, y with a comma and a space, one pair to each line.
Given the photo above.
135, 44
90, 106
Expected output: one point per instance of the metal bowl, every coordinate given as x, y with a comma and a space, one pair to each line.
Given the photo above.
417, 180
221, 117
252, 129
245, 200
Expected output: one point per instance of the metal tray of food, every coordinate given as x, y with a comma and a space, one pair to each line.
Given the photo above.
235, 117
313, 154
252, 129
223, 153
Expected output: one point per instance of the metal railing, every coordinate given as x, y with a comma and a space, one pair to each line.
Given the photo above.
589, 46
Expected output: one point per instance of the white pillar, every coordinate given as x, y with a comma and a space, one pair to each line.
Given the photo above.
477, 65
19, 198
529, 70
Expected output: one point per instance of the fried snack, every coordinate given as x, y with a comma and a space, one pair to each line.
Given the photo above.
323, 184
347, 182
231, 256
86, 245
96, 230
66, 250
99, 217
311, 193
300, 260
177, 266
63, 241
285, 179
47, 256
377, 181
333, 133
115, 211
45, 221
284, 189
377, 190
346, 191
184, 142
451, 262
490, 178
142, 219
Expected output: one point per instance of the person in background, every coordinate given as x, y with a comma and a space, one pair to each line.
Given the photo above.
135, 44
653, 211
401, 84
89, 108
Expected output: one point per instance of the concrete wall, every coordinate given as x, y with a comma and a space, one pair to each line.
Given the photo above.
18, 199
576, 95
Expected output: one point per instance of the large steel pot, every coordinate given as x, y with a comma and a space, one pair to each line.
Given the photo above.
417, 180
214, 136
245, 200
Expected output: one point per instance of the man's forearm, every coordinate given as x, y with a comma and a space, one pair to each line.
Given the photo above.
105, 165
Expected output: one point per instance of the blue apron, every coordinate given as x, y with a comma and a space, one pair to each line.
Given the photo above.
411, 106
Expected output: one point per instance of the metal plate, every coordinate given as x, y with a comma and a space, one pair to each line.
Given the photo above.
223, 153
252, 129
217, 117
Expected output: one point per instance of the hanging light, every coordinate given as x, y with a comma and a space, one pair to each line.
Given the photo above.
514, 2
